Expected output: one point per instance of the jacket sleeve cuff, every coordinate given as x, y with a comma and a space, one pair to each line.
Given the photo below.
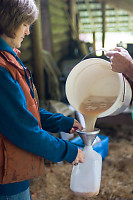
71, 152
67, 124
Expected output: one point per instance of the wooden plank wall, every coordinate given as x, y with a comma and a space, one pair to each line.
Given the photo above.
56, 32
59, 29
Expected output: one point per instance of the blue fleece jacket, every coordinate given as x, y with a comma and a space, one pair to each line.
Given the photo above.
15, 118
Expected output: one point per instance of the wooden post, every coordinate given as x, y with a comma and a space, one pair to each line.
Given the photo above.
46, 26
37, 56
94, 41
72, 7
77, 24
103, 23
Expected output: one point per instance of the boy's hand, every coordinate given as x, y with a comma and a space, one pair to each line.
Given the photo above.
76, 126
80, 158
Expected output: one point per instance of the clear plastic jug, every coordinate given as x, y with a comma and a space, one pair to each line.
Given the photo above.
86, 177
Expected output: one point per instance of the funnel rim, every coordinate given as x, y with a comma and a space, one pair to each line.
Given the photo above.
83, 132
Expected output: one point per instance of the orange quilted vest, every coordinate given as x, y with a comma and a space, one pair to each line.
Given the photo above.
17, 164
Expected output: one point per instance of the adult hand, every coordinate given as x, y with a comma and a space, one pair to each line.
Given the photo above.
76, 126
80, 158
121, 61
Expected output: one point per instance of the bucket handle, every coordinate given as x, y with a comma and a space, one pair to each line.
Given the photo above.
102, 49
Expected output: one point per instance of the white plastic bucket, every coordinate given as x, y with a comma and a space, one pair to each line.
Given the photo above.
94, 77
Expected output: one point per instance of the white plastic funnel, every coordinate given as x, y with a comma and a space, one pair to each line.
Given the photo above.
94, 77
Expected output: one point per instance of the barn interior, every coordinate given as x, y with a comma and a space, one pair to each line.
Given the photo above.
66, 32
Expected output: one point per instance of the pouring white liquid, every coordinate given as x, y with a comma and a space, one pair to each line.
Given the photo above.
92, 107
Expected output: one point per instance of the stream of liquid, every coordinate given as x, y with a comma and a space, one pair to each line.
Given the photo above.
92, 107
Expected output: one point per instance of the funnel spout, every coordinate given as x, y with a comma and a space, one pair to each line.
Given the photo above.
88, 137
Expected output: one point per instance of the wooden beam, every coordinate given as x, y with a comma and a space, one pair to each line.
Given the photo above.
37, 56
120, 4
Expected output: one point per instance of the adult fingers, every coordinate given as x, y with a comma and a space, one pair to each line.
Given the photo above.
120, 49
